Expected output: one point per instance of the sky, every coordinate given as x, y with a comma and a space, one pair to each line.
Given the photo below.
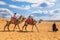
38, 9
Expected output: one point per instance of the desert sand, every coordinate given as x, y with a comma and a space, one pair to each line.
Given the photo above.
45, 32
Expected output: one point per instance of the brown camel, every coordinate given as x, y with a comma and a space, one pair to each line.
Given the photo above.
15, 22
40, 20
29, 22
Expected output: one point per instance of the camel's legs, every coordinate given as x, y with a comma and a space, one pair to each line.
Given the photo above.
7, 25
36, 28
14, 28
18, 27
32, 27
24, 26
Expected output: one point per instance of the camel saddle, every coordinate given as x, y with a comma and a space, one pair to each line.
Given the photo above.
29, 20
13, 20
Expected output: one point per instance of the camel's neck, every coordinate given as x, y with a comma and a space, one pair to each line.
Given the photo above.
21, 19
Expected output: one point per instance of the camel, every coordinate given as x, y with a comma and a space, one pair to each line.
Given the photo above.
15, 22
40, 20
33, 23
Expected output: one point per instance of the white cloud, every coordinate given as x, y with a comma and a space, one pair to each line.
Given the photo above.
45, 12
38, 2
35, 5
25, 7
6, 10
20, 7
2, 3
14, 6
6, 13
51, 0
32, 1
38, 11
54, 14
45, 17
55, 11
50, 12
49, 3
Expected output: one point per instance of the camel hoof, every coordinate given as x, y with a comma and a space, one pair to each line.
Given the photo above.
31, 31
26, 31
13, 30
8, 30
3, 30
21, 30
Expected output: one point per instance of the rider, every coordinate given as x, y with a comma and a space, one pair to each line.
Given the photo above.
13, 18
30, 19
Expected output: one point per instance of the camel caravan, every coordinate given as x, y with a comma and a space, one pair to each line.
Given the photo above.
27, 21
16, 22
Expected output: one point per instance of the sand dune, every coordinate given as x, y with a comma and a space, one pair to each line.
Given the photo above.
45, 32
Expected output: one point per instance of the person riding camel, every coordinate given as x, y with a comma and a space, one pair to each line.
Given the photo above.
14, 18
29, 19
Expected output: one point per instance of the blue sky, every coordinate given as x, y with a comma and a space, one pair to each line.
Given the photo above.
39, 9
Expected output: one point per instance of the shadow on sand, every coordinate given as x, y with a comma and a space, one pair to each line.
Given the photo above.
50, 31
16, 31
24, 31
6, 31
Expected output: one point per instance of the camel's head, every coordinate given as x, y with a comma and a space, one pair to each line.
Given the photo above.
40, 20
21, 18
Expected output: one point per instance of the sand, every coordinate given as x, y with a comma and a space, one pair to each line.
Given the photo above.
45, 32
